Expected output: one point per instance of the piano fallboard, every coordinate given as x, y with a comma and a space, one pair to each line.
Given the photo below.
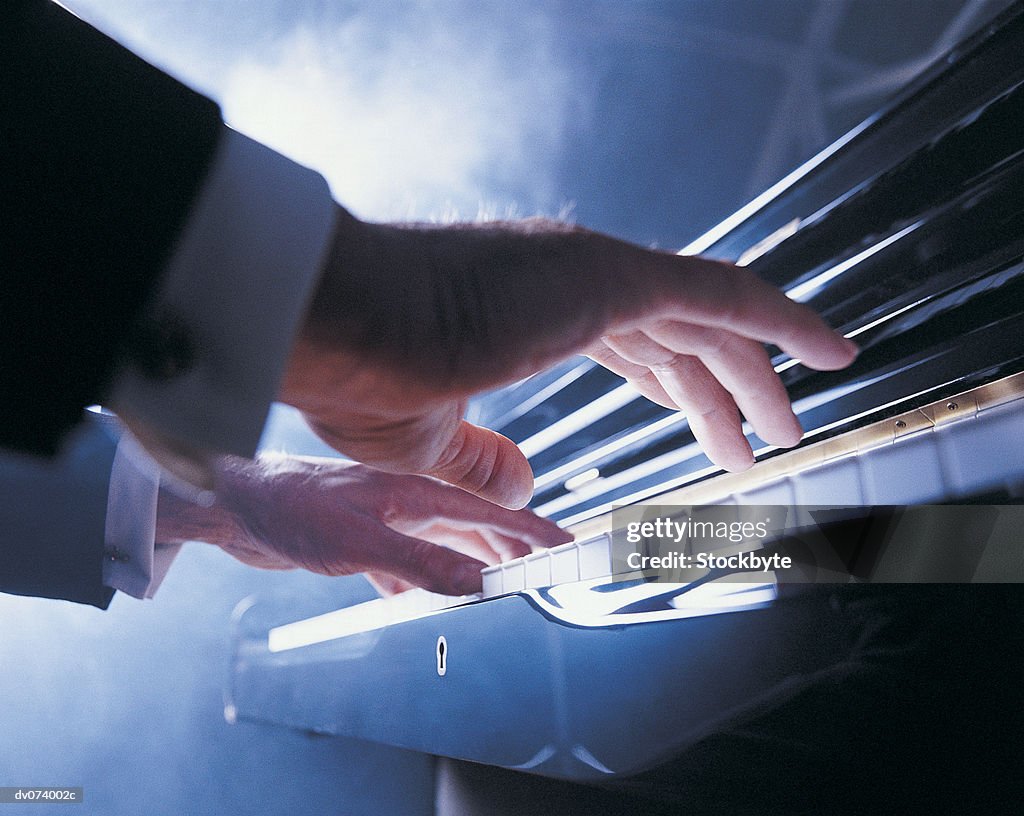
560, 701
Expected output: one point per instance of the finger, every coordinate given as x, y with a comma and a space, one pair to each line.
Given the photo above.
465, 511
484, 544
468, 542
742, 366
710, 409
506, 547
639, 349
428, 565
640, 377
486, 463
386, 584
405, 446
729, 297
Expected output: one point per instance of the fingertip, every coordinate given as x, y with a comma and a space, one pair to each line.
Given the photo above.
736, 465
511, 480
842, 354
466, 578
535, 530
736, 457
790, 440
516, 496
487, 464
846, 353
451, 573
508, 492
723, 442
785, 437
852, 350
433, 567
555, 537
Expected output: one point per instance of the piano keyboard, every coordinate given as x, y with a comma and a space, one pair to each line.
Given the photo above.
978, 450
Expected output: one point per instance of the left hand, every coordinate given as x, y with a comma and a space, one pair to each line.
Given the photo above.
338, 518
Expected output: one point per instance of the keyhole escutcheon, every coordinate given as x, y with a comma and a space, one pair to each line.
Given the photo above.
442, 655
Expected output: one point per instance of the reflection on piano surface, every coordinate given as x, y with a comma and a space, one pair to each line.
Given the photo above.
907, 235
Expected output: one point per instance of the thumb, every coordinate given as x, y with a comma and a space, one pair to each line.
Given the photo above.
488, 464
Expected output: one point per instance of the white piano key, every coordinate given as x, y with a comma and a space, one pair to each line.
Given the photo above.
538, 569
595, 557
419, 603
837, 482
402, 605
778, 492
409, 604
565, 564
492, 581
513, 576
986, 451
906, 472
364, 617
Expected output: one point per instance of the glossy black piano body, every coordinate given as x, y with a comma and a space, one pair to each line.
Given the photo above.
908, 235
521, 690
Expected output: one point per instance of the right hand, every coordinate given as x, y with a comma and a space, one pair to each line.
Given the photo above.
409, 321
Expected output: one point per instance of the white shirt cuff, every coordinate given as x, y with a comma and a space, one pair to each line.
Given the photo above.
133, 564
238, 285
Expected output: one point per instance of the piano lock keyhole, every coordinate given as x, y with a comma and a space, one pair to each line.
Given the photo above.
442, 656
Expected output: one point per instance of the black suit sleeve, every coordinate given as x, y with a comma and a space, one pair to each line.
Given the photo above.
102, 156
53, 519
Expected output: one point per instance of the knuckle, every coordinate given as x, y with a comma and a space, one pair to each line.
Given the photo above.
674, 364
388, 508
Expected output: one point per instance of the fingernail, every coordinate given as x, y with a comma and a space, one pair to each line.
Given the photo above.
794, 434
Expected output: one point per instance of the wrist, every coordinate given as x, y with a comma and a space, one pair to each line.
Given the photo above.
179, 520
319, 354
